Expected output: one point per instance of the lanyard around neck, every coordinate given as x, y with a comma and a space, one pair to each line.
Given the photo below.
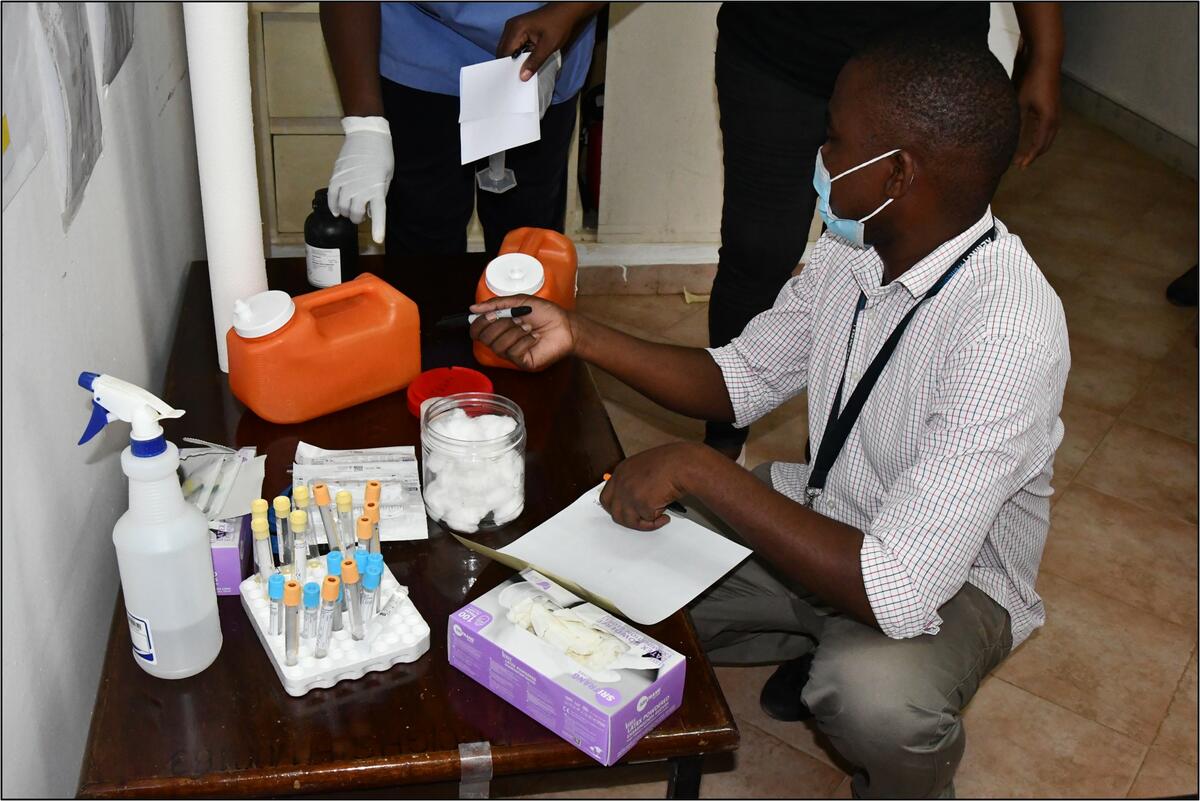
841, 421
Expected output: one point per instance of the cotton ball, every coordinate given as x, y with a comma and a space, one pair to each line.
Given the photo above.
510, 511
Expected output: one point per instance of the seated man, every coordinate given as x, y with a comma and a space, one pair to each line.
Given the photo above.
898, 568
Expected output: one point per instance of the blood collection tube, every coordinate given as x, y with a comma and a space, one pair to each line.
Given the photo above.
298, 526
263, 563
371, 510
275, 594
370, 591
291, 622
353, 597
283, 537
345, 518
373, 560
372, 492
302, 499
333, 536
360, 561
331, 590
312, 600
363, 540
333, 561
258, 508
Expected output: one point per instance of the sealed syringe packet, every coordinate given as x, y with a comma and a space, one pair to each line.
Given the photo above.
401, 509
583, 673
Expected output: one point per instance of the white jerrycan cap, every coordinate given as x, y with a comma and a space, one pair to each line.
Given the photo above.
514, 274
262, 314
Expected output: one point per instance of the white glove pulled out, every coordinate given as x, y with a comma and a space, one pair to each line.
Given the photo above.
362, 173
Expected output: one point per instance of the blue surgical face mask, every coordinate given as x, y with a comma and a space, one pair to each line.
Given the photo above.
850, 230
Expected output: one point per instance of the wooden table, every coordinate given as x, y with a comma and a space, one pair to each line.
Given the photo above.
233, 731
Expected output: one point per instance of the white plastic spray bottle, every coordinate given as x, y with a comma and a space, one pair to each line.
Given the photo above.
162, 541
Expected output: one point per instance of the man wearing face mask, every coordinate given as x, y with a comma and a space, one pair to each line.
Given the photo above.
898, 567
775, 68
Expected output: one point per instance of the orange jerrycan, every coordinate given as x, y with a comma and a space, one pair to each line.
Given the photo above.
293, 360
532, 261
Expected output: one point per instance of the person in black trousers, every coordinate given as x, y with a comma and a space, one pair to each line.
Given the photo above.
775, 68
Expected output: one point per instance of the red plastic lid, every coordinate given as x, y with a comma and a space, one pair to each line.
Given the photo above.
443, 381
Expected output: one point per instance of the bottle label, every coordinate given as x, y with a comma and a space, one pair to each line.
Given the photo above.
324, 266
143, 641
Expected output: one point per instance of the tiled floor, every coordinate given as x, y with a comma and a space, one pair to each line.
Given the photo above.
1101, 701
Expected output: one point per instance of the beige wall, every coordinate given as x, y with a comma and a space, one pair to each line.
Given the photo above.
661, 171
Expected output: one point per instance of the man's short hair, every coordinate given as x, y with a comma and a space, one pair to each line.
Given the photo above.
949, 96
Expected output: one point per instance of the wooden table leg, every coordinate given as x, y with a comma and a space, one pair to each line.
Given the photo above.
684, 781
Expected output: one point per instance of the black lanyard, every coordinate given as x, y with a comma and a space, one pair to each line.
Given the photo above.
841, 421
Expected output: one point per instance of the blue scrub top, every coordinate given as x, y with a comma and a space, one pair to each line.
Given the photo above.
423, 45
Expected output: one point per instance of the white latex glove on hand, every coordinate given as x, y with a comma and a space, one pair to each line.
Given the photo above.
362, 173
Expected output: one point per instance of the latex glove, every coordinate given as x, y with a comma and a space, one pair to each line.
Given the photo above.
362, 173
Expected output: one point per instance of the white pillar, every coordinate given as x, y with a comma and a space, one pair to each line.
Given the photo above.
219, 69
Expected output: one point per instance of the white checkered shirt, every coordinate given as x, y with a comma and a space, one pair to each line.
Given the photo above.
947, 471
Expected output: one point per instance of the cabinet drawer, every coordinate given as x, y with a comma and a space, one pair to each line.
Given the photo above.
302, 166
299, 76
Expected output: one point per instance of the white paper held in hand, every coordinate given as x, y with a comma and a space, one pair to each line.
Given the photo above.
498, 111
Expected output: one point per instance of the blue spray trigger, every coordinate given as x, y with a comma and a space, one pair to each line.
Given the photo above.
99, 421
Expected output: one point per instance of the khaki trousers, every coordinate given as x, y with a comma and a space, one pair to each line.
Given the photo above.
891, 708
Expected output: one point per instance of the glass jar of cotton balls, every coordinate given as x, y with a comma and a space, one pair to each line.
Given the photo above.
473, 460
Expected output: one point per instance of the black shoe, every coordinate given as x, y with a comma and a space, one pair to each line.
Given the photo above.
1185, 289
780, 696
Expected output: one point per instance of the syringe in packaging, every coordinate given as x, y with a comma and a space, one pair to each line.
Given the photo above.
331, 590
283, 537
353, 597
263, 563
312, 600
298, 526
291, 622
275, 594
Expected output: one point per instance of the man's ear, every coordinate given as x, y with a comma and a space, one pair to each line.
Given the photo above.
904, 172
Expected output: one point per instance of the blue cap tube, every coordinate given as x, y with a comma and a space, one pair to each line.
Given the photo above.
334, 561
360, 560
312, 595
371, 580
375, 559
275, 587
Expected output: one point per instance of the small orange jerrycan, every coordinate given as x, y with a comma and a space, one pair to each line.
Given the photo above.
293, 360
532, 261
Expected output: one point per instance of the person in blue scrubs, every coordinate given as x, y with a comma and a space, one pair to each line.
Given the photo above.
397, 66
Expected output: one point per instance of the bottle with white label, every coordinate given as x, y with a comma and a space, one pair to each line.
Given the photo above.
330, 245
163, 549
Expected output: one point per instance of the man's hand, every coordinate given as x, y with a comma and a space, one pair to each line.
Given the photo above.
533, 342
549, 28
1038, 96
642, 486
1036, 75
362, 173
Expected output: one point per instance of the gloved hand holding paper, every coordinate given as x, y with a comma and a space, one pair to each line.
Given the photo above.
497, 110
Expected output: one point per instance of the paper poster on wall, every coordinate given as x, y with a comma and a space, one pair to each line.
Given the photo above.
72, 106
24, 132
118, 37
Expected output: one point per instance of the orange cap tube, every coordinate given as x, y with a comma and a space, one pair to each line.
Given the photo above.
330, 588
291, 593
374, 490
364, 529
321, 494
371, 511
349, 571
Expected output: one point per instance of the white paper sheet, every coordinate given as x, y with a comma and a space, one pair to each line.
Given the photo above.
20, 88
647, 575
498, 111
